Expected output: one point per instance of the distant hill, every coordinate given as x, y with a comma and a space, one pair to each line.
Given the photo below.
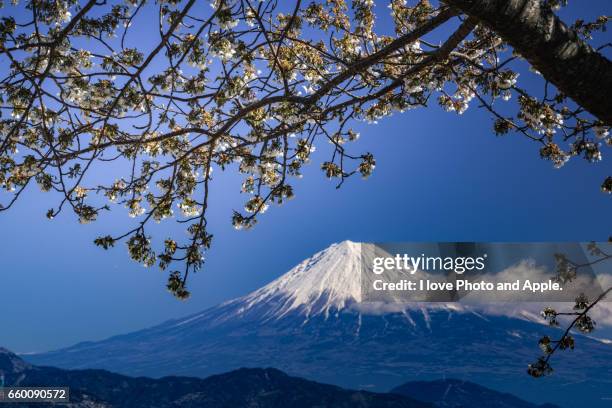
462, 394
246, 387
252, 388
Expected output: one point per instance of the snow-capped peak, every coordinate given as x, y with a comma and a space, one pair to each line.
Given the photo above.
327, 283
329, 280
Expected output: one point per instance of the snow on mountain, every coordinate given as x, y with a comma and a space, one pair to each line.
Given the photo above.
327, 283
330, 280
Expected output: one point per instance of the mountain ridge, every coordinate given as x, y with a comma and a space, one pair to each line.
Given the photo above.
245, 387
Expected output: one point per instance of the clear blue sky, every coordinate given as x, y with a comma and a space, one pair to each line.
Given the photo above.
439, 177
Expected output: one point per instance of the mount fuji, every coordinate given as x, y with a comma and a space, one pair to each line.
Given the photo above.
311, 322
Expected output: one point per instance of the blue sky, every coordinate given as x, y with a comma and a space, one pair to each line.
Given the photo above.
439, 177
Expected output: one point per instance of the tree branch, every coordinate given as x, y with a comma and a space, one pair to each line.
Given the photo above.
555, 50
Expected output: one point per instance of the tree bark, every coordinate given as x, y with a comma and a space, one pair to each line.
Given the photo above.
551, 47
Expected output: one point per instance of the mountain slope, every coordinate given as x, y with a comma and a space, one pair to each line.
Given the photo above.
462, 394
262, 388
311, 323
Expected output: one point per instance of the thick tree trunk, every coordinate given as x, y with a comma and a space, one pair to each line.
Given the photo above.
551, 47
